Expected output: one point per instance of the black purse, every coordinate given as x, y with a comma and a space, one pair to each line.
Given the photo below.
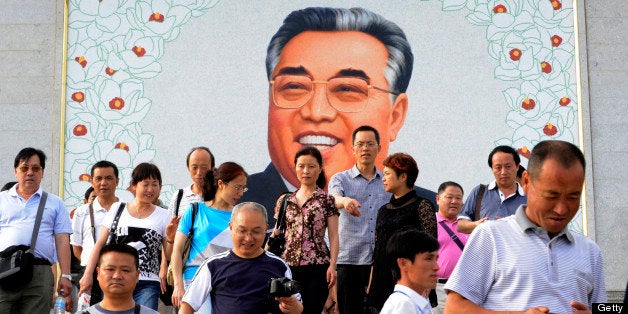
277, 242
17, 261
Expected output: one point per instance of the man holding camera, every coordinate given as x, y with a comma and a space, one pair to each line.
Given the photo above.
239, 280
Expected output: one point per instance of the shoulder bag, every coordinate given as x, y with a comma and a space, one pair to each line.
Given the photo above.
186, 247
113, 237
17, 261
277, 242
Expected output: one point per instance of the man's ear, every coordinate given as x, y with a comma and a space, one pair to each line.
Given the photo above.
402, 263
525, 181
398, 115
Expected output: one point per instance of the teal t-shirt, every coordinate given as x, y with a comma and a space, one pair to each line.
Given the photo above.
211, 235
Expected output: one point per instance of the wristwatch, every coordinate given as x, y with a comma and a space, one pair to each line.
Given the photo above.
67, 276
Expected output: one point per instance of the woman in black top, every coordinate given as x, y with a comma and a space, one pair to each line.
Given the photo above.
405, 210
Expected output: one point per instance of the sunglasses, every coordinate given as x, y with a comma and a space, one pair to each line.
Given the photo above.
25, 168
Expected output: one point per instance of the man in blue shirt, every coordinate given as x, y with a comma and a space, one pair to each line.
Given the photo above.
500, 198
18, 211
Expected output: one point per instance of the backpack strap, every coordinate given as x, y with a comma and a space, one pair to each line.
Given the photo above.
478, 201
114, 225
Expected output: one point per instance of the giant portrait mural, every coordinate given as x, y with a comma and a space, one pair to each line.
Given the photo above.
149, 79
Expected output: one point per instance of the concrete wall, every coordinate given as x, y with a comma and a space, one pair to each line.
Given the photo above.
606, 71
30, 78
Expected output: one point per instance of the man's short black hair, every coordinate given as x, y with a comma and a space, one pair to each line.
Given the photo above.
443, 186
88, 192
27, 153
105, 164
120, 248
567, 154
407, 243
365, 128
504, 149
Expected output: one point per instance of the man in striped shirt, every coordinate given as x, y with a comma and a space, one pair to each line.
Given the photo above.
531, 261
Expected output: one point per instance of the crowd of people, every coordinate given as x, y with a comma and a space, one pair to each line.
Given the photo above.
367, 241
412, 257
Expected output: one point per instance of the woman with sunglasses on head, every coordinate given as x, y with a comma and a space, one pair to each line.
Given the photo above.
310, 211
222, 189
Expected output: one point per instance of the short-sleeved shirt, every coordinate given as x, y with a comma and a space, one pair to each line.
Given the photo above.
357, 234
97, 309
211, 235
17, 219
305, 228
82, 227
187, 198
407, 301
512, 264
236, 284
145, 235
494, 203
449, 252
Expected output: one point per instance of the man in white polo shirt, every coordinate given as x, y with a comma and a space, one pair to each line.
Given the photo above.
531, 261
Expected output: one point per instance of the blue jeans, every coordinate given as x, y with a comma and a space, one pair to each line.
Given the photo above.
206, 308
146, 293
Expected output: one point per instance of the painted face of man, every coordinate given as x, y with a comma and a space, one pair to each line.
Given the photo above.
323, 66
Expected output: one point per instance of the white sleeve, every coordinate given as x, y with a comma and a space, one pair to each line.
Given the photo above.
199, 289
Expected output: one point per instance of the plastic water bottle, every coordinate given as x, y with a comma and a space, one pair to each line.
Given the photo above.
83, 302
59, 304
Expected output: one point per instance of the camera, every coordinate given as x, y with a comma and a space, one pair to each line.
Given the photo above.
283, 287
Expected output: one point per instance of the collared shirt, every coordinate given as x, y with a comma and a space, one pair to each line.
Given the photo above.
512, 259
407, 301
449, 252
188, 198
17, 219
495, 204
357, 234
82, 227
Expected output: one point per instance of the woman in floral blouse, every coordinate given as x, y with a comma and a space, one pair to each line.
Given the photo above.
309, 212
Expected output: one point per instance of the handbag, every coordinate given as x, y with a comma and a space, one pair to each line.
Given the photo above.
113, 237
277, 242
166, 297
186, 247
17, 261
